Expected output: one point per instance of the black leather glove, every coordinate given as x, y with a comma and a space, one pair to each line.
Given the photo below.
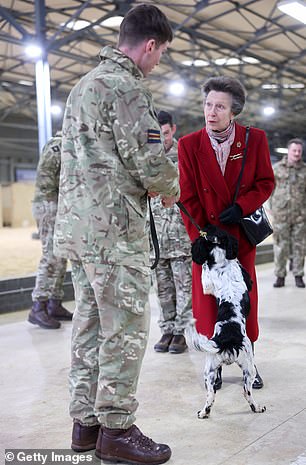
231, 215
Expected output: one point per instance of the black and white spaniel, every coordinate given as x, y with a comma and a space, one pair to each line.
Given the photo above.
225, 278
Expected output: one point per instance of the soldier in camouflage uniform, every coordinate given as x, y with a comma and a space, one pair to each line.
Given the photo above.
288, 205
48, 292
112, 159
173, 272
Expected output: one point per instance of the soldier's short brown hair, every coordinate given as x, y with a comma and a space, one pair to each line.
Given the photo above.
165, 118
145, 22
296, 140
229, 85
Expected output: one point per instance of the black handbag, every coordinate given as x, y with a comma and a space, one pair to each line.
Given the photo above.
256, 225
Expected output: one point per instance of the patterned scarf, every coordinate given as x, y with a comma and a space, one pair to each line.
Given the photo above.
221, 143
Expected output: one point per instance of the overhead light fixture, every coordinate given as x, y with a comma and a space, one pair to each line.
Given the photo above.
295, 9
281, 150
23, 82
113, 21
33, 50
56, 110
294, 85
77, 24
250, 60
234, 61
197, 63
177, 89
268, 111
270, 86
227, 61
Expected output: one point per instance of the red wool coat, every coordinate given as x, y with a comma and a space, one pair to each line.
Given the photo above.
205, 192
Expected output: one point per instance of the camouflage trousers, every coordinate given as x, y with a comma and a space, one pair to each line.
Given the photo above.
109, 336
51, 269
173, 276
289, 242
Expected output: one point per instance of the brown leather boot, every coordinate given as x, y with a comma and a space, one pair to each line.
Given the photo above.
163, 344
299, 282
130, 446
178, 344
280, 282
84, 437
39, 316
57, 311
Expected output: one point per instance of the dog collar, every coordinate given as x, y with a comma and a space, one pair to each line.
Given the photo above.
212, 239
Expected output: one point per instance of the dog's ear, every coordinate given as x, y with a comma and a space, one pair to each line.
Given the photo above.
246, 278
231, 247
199, 250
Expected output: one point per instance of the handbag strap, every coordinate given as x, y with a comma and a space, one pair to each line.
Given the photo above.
154, 237
243, 162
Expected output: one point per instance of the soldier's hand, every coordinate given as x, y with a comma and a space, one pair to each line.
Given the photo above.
153, 194
168, 202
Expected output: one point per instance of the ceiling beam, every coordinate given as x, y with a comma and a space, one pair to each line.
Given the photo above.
5, 13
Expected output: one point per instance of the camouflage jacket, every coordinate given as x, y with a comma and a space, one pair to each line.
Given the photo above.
48, 171
288, 200
171, 232
112, 155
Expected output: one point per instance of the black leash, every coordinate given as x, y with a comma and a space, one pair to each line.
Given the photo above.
154, 237
184, 210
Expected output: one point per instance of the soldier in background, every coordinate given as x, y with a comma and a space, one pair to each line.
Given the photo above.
48, 292
288, 206
112, 159
173, 272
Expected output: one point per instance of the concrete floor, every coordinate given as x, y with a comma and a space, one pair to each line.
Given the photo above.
34, 366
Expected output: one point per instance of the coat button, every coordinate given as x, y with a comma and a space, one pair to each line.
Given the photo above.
212, 216
205, 190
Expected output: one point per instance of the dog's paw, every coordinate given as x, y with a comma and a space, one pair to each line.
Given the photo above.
203, 414
208, 290
256, 408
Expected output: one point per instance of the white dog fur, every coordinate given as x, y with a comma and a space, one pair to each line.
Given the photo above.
225, 279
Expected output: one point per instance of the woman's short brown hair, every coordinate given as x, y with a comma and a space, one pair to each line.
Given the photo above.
229, 85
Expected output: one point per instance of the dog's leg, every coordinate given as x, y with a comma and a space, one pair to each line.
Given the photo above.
246, 362
207, 283
210, 373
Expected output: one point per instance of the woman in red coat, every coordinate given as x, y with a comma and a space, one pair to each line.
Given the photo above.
209, 164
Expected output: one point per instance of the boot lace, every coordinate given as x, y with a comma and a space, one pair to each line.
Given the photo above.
138, 438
